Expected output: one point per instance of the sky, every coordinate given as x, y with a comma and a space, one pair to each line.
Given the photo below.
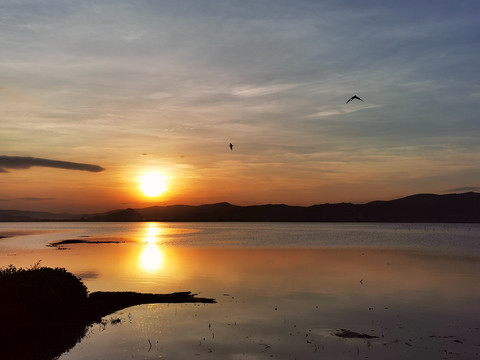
95, 93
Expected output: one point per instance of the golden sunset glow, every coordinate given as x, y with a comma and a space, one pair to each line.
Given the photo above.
152, 233
166, 135
153, 184
151, 258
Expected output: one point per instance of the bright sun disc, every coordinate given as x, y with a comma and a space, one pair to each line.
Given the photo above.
153, 184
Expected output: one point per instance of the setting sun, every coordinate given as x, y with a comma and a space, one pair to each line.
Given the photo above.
153, 184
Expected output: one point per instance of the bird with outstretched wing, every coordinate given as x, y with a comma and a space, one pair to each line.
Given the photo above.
353, 98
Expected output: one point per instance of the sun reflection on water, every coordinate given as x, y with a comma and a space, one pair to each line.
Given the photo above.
152, 233
151, 258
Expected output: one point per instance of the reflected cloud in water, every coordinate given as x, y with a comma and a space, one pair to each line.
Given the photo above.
283, 302
290, 303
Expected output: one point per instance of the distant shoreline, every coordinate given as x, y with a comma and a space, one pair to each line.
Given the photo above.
420, 208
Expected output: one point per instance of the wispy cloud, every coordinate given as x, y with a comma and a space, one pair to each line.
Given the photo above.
29, 199
20, 162
35, 199
463, 189
253, 91
166, 78
341, 110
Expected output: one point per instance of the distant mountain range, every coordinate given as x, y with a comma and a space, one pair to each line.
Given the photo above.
463, 208
19, 215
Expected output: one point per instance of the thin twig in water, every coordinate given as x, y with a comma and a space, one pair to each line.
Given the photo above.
266, 347
150, 345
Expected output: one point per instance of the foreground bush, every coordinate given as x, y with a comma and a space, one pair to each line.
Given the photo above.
45, 312
41, 293
40, 311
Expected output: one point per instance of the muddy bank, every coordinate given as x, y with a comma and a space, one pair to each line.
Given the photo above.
349, 334
105, 303
60, 244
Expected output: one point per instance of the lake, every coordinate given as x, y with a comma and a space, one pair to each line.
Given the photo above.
283, 290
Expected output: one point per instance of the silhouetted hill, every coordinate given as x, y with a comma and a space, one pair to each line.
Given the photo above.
187, 213
415, 208
6, 217
426, 208
120, 215
19, 215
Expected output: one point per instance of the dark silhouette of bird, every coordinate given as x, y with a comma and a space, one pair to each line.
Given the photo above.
353, 98
231, 146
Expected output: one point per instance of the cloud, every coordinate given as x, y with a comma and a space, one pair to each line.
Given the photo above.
35, 199
254, 91
20, 162
464, 189
84, 275
30, 199
270, 76
340, 111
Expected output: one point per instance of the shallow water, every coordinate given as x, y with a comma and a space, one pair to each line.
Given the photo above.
283, 290
447, 237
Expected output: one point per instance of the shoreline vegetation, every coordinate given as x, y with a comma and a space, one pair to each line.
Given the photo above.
46, 311
448, 208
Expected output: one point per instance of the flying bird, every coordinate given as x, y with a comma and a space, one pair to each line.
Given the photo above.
231, 146
353, 98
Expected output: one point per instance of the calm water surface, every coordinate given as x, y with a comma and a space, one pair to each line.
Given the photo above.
283, 289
